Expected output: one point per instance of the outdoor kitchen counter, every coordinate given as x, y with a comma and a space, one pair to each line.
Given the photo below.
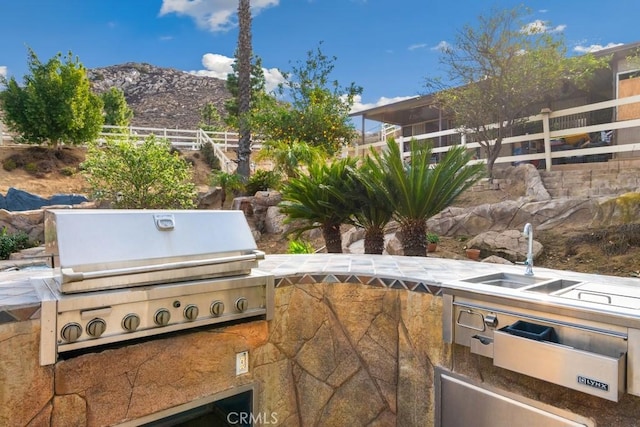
19, 300
441, 275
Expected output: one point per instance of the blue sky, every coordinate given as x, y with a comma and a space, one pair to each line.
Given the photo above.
387, 47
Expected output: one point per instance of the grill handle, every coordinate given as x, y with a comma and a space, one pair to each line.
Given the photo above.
68, 275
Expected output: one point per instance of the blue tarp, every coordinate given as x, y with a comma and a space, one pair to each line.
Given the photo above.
18, 200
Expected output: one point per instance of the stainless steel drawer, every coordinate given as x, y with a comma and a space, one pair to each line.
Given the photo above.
588, 372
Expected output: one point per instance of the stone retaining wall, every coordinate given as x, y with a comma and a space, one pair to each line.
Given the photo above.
592, 179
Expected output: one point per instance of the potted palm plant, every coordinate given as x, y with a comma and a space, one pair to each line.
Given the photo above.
432, 242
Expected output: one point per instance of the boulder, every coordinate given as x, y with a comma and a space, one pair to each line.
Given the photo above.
274, 221
244, 204
513, 214
261, 202
211, 199
510, 244
623, 209
494, 259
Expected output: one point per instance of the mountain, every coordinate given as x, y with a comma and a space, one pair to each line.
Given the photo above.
161, 97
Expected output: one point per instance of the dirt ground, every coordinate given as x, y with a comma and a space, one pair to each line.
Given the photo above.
593, 251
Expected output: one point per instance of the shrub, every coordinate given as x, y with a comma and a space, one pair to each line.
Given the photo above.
300, 247
9, 165
31, 167
139, 176
262, 180
210, 156
10, 243
67, 171
433, 238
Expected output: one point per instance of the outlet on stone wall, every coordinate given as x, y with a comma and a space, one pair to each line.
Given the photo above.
242, 363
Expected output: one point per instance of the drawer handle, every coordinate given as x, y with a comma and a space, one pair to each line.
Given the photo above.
607, 298
483, 340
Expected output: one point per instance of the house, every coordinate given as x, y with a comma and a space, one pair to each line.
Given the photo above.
589, 119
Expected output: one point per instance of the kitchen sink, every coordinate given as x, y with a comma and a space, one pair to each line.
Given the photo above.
507, 280
553, 286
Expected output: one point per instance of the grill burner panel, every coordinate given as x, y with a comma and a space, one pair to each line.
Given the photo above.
136, 313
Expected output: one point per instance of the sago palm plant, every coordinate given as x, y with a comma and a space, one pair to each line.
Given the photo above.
320, 199
372, 211
418, 189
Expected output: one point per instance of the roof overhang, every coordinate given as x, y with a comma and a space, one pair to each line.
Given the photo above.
408, 111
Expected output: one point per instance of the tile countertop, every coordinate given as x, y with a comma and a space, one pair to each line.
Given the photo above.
20, 300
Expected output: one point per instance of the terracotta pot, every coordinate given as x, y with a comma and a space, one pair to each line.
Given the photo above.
431, 247
473, 254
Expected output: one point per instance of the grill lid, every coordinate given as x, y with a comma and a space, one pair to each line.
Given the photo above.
106, 249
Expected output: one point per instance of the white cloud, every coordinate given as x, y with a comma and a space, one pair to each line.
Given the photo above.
538, 26
442, 46
219, 66
417, 46
358, 105
166, 38
3, 70
595, 47
215, 66
273, 77
212, 15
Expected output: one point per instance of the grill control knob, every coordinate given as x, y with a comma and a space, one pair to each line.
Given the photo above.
242, 304
96, 327
162, 316
71, 332
191, 312
217, 308
130, 322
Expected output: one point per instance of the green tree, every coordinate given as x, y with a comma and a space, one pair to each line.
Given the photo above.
318, 111
210, 118
417, 189
230, 183
259, 97
149, 175
500, 70
55, 103
320, 200
116, 109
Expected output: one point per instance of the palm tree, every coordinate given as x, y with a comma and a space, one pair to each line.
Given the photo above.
289, 157
372, 211
244, 88
417, 190
321, 199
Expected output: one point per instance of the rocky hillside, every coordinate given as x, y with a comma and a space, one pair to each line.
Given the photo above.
161, 97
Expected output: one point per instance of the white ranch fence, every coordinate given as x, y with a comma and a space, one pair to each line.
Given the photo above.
554, 125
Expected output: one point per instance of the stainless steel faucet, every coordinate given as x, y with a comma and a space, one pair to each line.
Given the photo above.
528, 232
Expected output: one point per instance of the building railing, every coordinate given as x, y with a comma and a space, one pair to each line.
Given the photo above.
548, 147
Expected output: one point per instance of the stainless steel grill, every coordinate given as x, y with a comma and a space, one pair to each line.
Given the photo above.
128, 274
